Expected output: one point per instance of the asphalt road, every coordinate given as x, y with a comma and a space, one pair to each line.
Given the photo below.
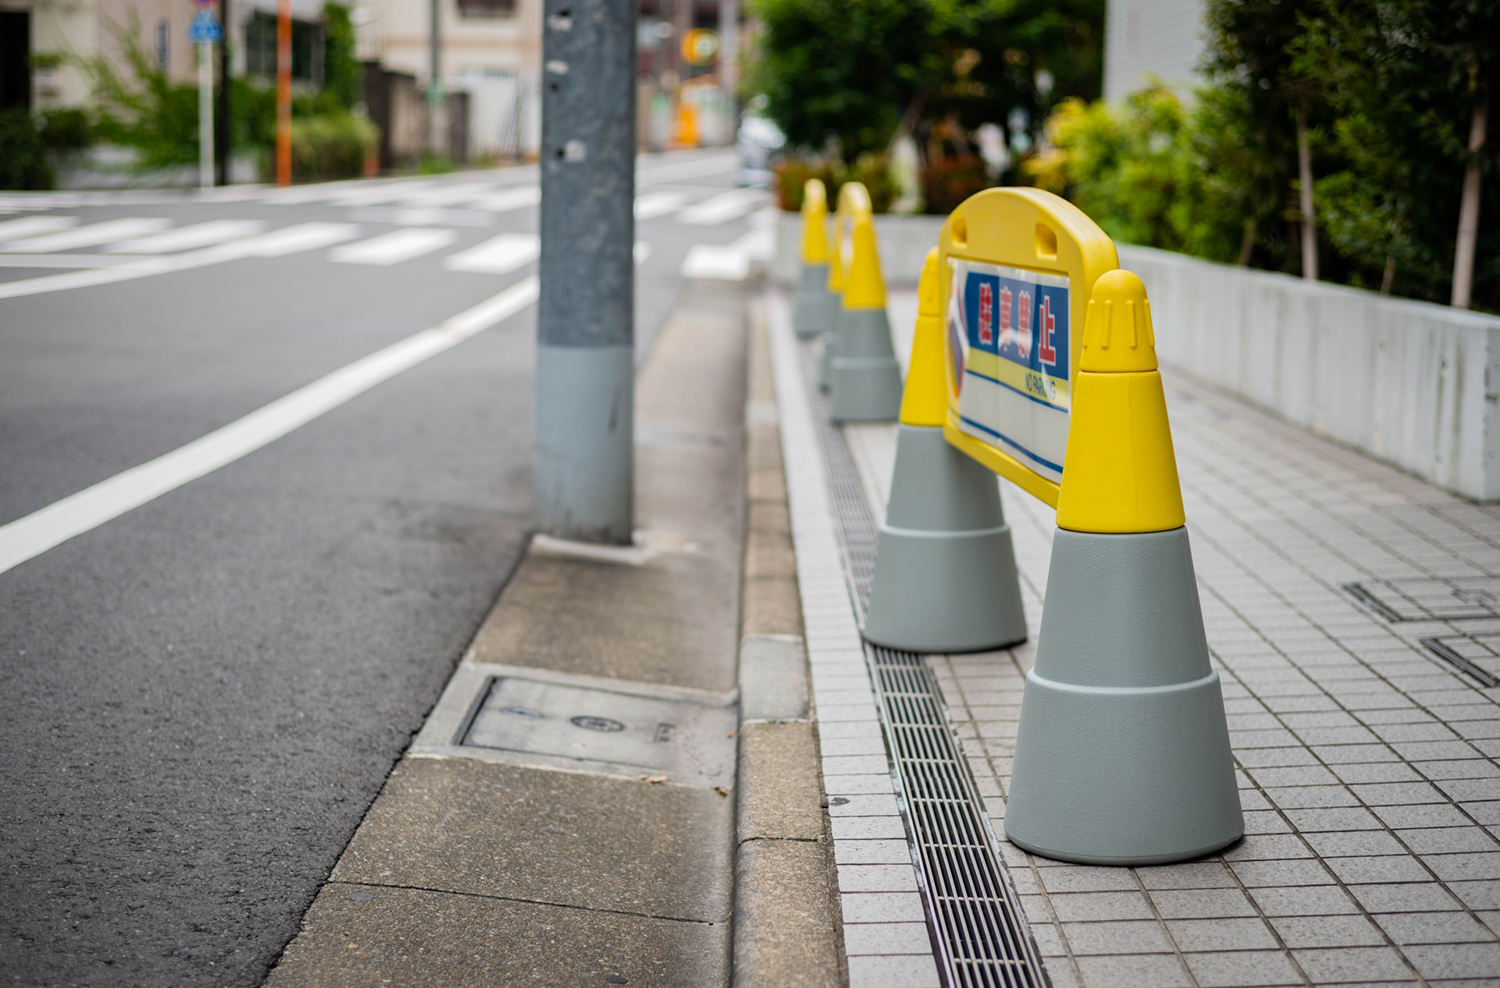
200, 697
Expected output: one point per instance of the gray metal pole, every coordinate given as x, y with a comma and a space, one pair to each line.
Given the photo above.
435, 76
585, 462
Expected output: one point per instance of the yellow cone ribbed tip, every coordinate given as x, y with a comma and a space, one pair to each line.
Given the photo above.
924, 402
814, 223
864, 288
1120, 475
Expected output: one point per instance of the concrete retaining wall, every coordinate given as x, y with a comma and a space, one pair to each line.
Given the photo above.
1412, 383
903, 243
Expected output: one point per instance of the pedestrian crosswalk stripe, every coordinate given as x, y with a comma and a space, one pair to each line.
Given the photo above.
395, 247
722, 208
30, 226
88, 236
188, 237
498, 255
653, 204
303, 236
505, 200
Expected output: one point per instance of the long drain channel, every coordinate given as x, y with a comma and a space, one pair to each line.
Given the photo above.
974, 915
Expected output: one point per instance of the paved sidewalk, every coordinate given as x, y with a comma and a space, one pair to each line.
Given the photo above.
1367, 763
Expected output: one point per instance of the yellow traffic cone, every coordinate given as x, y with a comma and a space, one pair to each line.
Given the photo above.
816, 305
1122, 756
864, 376
945, 571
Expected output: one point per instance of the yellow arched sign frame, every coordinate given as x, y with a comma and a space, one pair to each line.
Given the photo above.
1031, 231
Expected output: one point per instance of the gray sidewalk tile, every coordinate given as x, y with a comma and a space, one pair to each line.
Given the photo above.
1137, 971
887, 938
1073, 907
1466, 768
1471, 960
1202, 903
1262, 969
868, 828
1449, 840
882, 907
1116, 937
1193, 875
1352, 964
1427, 815
910, 971
1310, 900
1486, 813
1462, 867
1404, 898
1432, 928
1336, 818
1193, 935
1253, 874
1327, 931
1268, 847
1355, 842
1379, 870
1377, 772
872, 852
1399, 794
1081, 878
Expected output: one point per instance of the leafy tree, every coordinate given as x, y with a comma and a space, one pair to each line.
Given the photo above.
343, 75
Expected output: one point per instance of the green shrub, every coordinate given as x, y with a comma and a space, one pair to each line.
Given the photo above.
946, 182
334, 145
23, 156
66, 131
873, 171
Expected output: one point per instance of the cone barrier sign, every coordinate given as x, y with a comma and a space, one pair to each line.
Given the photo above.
1122, 754
817, 307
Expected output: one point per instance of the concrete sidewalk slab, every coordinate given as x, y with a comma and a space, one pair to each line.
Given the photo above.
480, 871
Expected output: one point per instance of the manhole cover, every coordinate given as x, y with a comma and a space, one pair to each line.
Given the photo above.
1430, 599
686, 741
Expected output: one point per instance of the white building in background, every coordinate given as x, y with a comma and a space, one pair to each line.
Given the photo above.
1142, 38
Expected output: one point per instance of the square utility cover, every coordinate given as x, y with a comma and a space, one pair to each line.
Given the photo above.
690, 743
1427, 599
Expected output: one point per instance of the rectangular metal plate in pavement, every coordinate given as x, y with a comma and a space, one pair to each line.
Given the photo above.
1459, 599
1476, 655
547, 719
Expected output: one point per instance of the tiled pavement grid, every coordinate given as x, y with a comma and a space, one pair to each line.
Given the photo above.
1367, 765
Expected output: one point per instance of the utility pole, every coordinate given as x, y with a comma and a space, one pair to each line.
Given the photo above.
729, 54
585, 383
221, 134
284, 92
435, 77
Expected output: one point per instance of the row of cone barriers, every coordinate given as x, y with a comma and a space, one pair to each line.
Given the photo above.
1122, 754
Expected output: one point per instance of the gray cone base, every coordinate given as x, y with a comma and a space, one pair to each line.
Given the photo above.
815, 312
945, 573
945, 591
825, 360
1128, 762
865, 389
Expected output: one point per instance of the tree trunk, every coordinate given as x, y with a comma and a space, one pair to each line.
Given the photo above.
1305, 180
1389, 278
1468, 209
1247, 243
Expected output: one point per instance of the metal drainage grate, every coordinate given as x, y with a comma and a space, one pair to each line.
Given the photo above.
1430, 599
975, 917
1462, 651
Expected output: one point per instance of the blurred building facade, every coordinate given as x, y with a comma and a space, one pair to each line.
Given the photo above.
1145, 38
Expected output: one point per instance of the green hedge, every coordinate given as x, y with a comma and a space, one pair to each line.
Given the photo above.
333, 145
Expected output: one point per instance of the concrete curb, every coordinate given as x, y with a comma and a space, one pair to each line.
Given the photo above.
787, 925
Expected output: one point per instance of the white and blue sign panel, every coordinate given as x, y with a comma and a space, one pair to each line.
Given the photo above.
205, 29
1009, 339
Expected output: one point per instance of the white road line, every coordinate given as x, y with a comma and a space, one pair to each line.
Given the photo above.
394, 247
497, 255
447, 195
88, 236
39, 531
718, 262
641, 251
189, 237
30, 226
723, 207
716, 165
654, 204
303, 236
505, 200
61, 261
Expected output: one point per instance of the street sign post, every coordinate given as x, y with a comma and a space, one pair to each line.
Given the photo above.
204, 33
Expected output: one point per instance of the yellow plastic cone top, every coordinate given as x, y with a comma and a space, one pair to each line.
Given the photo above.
925, 401
1121, 473
854, 202
814, 223
864, 288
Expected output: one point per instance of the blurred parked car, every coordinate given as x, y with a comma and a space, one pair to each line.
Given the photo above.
758, 141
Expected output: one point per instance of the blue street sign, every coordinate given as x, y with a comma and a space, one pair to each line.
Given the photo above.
205, 29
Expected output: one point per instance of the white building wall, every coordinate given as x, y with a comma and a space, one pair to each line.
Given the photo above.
1151, 37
